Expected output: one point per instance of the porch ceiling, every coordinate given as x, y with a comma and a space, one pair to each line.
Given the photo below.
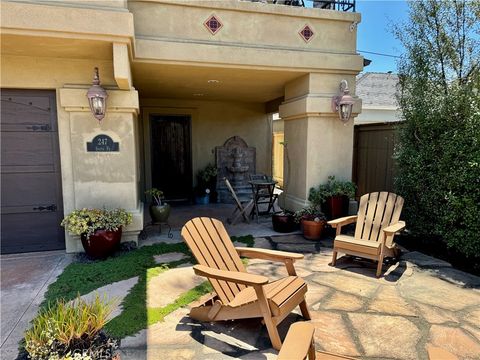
55, 47
179, 81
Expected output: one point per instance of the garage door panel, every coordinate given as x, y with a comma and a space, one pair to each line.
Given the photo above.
35, 188
24, 149
26, 110
24, 232
30, 181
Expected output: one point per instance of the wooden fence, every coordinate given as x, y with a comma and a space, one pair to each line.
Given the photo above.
373, 163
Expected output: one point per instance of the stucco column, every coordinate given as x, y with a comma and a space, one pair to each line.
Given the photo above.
100, 179
318, 144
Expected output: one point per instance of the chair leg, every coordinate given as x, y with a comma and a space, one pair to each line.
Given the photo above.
304, 310
311, 351
379, 266
267, 317
334, 258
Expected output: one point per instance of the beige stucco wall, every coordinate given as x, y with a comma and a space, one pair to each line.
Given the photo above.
213, 122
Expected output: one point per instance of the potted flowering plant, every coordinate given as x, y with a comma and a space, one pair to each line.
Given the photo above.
333, 197
206, 179
158, 212
99, 229
312, 222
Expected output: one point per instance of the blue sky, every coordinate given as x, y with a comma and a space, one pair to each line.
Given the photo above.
373, 33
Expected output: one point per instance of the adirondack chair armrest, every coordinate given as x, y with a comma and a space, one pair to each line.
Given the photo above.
392, 229
233, 276
298, 342
342, 221
265, 254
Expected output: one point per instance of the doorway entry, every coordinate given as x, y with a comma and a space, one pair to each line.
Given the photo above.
171, 147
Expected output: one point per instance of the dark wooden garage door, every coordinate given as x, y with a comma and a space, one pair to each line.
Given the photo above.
30, 181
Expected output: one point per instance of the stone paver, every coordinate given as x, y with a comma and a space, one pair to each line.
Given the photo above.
114, 292
456, 341
170, 257
386, 336
343, 301
164, 288
331, 333
435, 315
348, 283
430, 290
389, 301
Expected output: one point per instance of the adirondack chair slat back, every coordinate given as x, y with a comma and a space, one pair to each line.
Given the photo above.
376, 211
210, 244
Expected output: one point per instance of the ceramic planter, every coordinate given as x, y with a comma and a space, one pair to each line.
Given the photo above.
159, 213
202, 199
101, 243
312, 230
283, 223
335, 207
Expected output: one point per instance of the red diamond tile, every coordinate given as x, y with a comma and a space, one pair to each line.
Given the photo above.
213, 24
306, 33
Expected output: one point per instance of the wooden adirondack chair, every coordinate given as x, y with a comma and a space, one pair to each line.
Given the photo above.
240, 295
378, 220
244, 206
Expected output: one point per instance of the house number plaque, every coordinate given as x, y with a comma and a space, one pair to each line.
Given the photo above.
102, 143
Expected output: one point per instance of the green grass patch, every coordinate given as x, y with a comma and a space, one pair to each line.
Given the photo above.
82, 278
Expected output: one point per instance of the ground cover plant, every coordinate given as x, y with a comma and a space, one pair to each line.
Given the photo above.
81, 278
438, 155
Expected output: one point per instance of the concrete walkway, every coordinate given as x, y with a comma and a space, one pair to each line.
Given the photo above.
25, 279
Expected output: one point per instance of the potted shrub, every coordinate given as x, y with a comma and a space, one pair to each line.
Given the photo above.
312, 222
72, 331
206, 179
158, 212
333, 197
99, 229
284, 221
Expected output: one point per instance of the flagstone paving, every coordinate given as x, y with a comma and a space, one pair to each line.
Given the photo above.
417, 303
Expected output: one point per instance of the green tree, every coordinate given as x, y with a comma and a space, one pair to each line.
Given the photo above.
438, 155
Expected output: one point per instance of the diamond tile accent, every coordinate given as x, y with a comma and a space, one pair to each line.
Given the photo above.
213, 24
306, 33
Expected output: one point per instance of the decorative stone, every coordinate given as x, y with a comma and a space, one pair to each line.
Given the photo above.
383, 336
235, 160
166, 287
433, 291
455, 341
422, 260
332, 335
342, 301
262, 243
389, 301
306, 33
169, 257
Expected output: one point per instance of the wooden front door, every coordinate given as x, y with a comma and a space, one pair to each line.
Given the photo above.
171, 155
31, 188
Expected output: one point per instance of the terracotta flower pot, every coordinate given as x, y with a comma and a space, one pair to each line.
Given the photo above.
159, 213
101, 243
283, 223
312, 230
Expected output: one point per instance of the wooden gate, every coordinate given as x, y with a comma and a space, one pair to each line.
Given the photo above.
373, 163
31, 182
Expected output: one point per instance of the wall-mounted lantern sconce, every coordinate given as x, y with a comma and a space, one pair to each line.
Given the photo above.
343, 103
97, 97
